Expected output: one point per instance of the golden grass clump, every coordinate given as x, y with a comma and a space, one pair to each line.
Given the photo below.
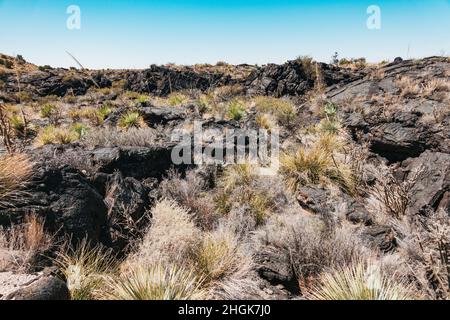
360, 281
16, 171
56, 135
220, 257
155, 282
283, 110
317, 164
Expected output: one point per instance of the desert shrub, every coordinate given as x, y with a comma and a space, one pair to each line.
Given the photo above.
283, 110
235, 110
155, 282
45, 68
85, 267
307, 245
23, 244
131, 119
224, 265
317, 164
408, 87
18, 124
16, 171
394, 193
171, 238
111, 137
240, 186
51, 112
361, 281
190, 193
56, 135
434, 86
219, 256
424, 244
354, 63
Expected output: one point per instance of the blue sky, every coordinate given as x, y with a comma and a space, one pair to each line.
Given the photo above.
137, 33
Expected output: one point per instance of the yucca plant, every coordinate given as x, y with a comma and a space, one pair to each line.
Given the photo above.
155, 282
85, 268
131, 119
361, 281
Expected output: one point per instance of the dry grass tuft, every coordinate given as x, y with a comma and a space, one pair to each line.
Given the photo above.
23, 244
155, 282
110, 137
361, 281
317, 164
16, 171
85, 267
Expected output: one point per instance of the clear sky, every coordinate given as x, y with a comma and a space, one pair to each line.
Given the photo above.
137, 33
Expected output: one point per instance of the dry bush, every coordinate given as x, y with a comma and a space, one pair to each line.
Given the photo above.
21, 245
171, 238
361, 281
16, 170
191, 193
408, 87
394, 194
85, 267
218, 255
424, 243
155, 282
110, 137
240, 186
436, 85
307, 245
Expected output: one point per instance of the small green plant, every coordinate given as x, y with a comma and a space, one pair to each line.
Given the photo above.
330, 111
236, 110
131, 119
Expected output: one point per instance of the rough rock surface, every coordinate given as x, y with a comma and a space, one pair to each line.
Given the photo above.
32, 287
